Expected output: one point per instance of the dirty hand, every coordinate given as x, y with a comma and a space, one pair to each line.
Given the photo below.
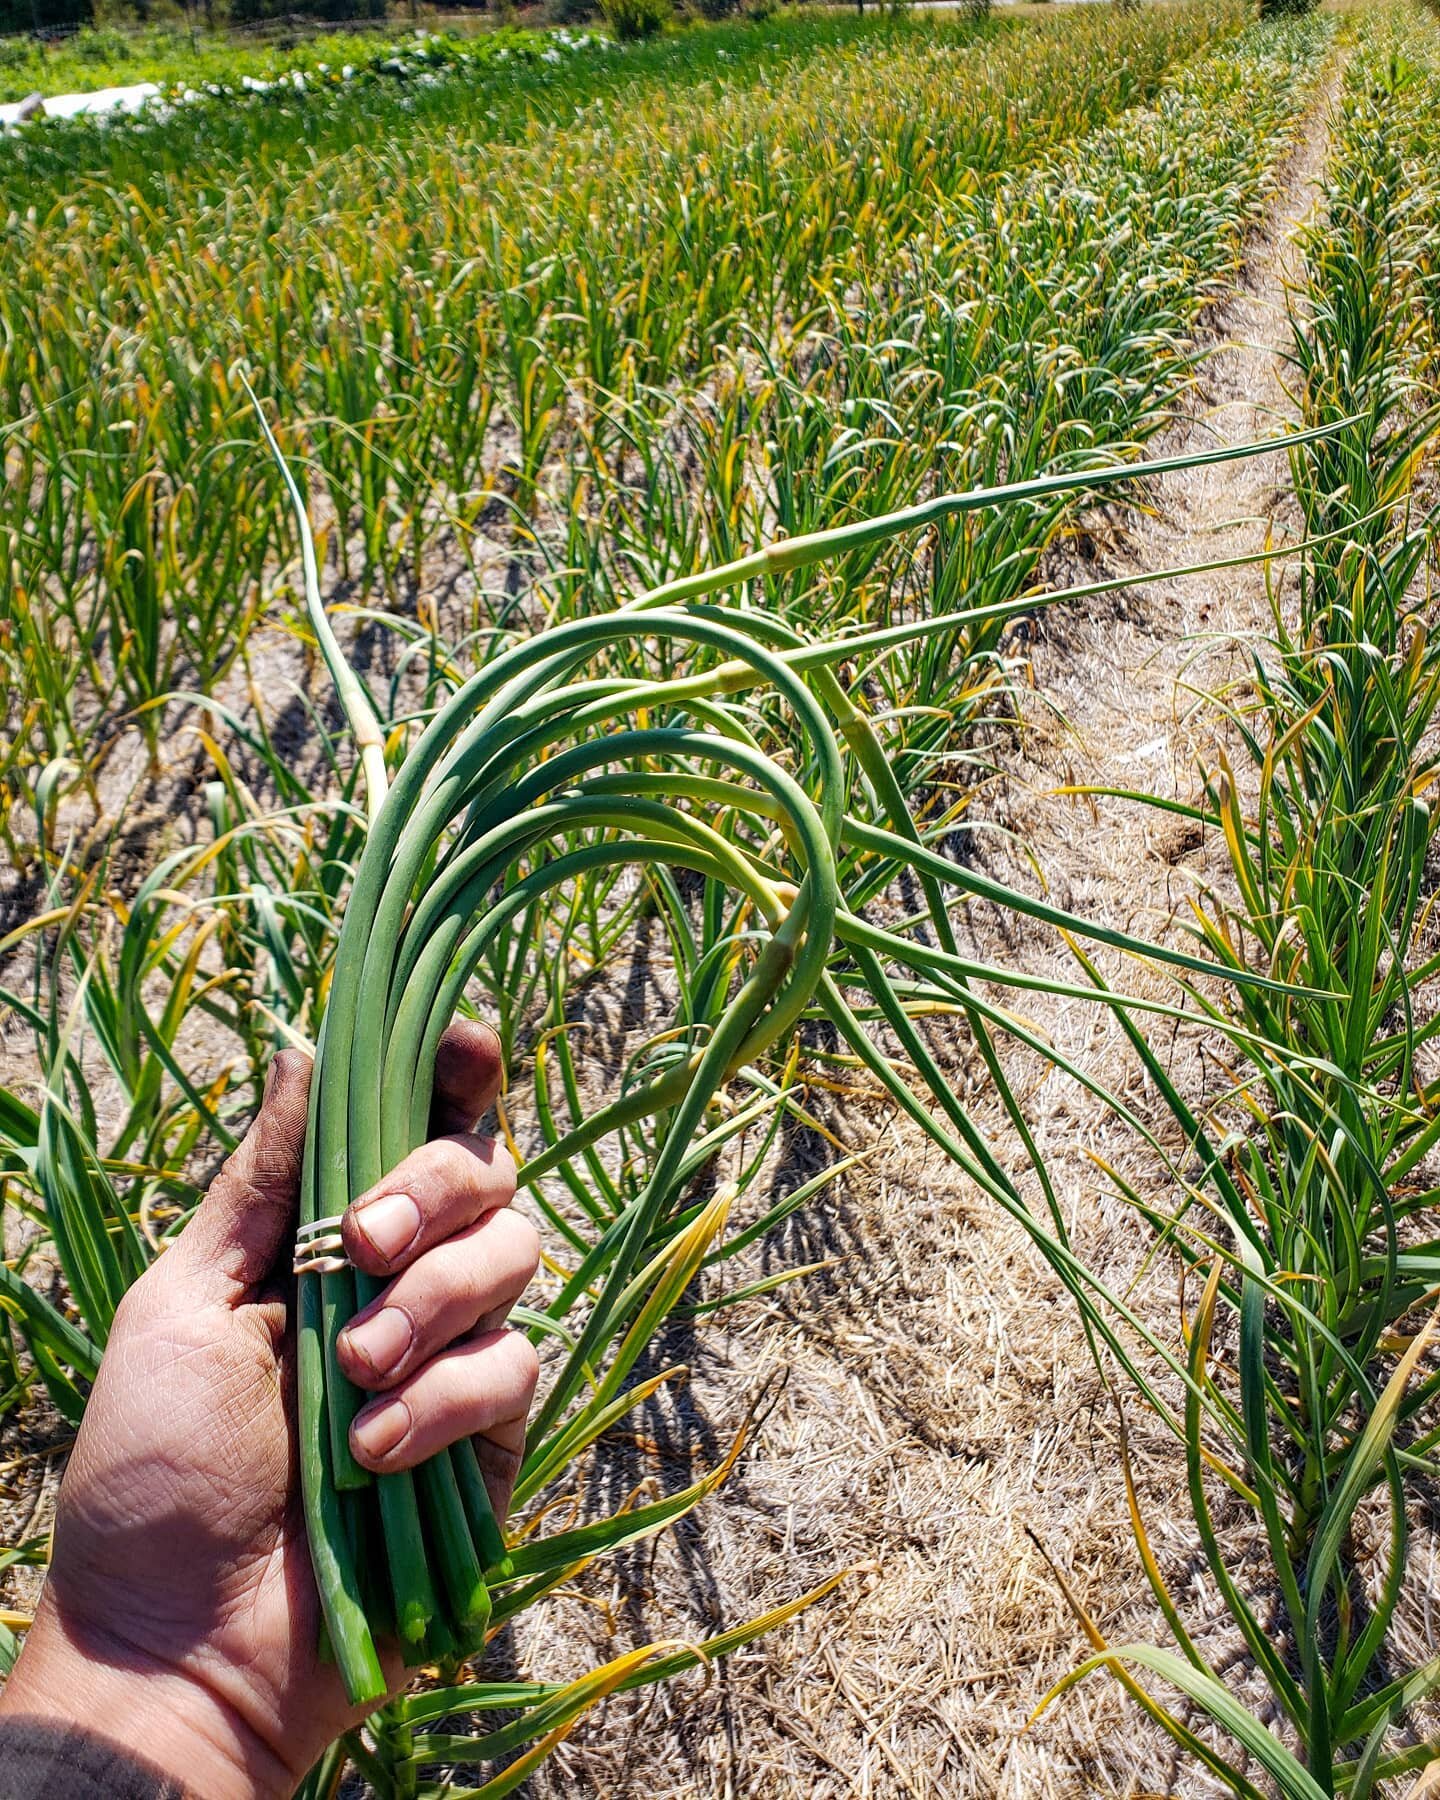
180, 1616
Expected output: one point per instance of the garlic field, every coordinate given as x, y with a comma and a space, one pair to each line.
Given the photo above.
642, 544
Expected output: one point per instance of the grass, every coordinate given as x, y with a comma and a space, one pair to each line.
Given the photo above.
99, 58
551, 355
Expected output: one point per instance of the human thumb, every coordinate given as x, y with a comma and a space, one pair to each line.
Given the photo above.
230, 1246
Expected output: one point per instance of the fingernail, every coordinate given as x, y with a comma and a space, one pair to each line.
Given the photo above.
378, 1430
389, 1224
382, 1340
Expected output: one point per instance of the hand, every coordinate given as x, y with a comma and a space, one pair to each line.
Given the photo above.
180, 1614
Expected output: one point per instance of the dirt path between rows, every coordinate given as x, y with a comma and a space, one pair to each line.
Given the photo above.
942, 1399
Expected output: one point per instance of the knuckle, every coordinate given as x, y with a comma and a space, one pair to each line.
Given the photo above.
525, 1362
496, 1162
519, 1242
242, 1183
266, 1166
466, 1164
453, 1163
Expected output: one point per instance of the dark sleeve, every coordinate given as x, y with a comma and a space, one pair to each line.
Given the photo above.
40, 1761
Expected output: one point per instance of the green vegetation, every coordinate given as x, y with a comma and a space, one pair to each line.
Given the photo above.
109, 58
1310, 1191
572, 305
636, 18
552, 348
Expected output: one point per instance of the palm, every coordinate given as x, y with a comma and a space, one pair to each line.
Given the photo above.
201, 1558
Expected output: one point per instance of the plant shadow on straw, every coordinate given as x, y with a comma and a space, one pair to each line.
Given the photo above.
674, 1435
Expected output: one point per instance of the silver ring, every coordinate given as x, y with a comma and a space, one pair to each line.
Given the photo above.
319, 1247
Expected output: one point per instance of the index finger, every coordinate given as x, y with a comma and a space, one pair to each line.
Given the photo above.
468, 1067
436, 1191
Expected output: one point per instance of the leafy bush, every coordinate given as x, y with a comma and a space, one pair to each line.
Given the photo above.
102, 46
636, 18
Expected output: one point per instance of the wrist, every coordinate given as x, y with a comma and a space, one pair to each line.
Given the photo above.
77, 1678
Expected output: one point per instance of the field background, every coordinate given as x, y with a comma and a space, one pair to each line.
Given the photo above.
541, 325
